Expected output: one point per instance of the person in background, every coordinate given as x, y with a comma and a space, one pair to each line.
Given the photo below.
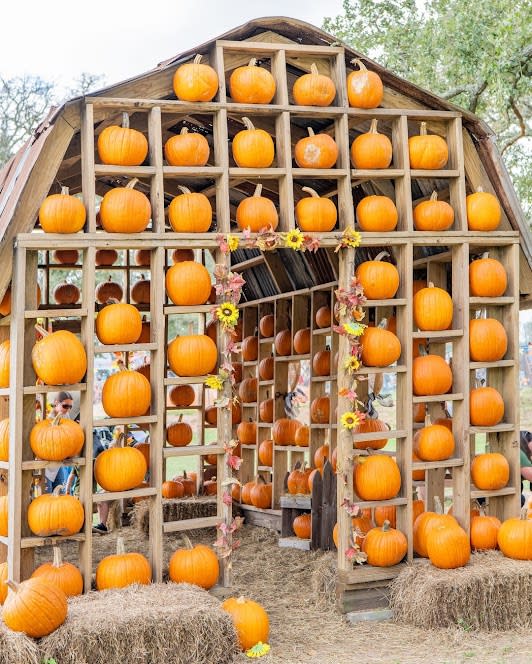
57, 476
525, 444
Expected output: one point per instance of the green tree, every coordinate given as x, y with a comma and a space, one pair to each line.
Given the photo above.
477, 56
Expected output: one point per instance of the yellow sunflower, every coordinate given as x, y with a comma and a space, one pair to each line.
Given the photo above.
227, 314
232, 242
350, 420
354, 329
258, 650
352, 364
294, 239
351, 238
214, 382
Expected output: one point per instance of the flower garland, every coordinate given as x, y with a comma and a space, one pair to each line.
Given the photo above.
268, 240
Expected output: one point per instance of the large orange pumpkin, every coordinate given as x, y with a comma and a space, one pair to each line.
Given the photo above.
433, 215
486, 406
267, 325
490, 471
488, 340
125, 210
187, 149
283, 342
257, 212
369, 425
321, 363
122, 146
179, 433
62, 213
192, 355
320, 410
371, 150
250, 348
261, 493
484, 531
190, 212
448, 546
119, 323
315, 214
431, 375
434, 442
266, 368
379, 279
487, 277
483, 211
59, 358
194, 81
425, 522
364, 87
57, 439
60, 574
253, 148
126, 394
427, 151
250, 620
284, 431
515, 537
380, 347
122, 569
188, 283
251, 84
316, 151
35, 607
120, 468
5, 352
377, 214
266, 453
433, 308
54, 514
314, 89
377, 477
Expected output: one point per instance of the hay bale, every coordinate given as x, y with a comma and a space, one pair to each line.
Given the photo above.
17, 648
154, 624
174, 509
491, 593
323, 580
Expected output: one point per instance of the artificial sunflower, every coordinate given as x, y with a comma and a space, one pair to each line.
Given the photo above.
214, 382
232, 242
350, 420
350, 238
227, 314
352, 364
258, 650
354, 329
294, 239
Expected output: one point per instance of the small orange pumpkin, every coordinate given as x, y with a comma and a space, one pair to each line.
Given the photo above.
283, 342
316, 151
364, 87
253, 148
488, 340
377, 214
261, 493
66, 256
434, 442
118, 323
192, 355
490, 471
179, 433
122, 569
106, 257
302, 341
321, 363
323, 317
431, 375
384, 546
251, 84
379, 279
266, 368
190, 212
266, 453
320, 410
371, 150
266, 410
250, 348
125, 210
267, 325
62, 213
257, 212
433, 215
301, 526
487, 277
188, 283
194, 81
483, 211
427, 151
315, 214
486, 406
314, 89
302, 436
122, 146
433, 308
380, 347
187, 149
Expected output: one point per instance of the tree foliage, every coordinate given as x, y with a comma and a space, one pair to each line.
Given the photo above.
479, 56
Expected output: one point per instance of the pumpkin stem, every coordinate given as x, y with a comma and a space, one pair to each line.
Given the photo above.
183, 190
180, 418
486, 254
381, 255
249, 125
423, 129
382, 325
40, 329
258, 191
120, 548
58, 558
57, 490
197, 59
64, 191
187, 542
310, 191
241, 600
437, 505
57, 420
386, 526
125, 121
480, 189
434, 196
131, 184
252, 62
314, 69
373, 127
523, 514
310, 131
13, 586
428, 421
359, 63
184, 131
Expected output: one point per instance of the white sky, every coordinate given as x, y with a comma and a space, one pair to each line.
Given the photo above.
58, 39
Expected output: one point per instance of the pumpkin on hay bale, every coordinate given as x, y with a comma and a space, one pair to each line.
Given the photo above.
490, 593
158, 623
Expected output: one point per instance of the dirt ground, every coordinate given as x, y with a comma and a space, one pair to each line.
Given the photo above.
304, 626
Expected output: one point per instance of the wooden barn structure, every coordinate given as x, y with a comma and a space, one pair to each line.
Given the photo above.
290, 285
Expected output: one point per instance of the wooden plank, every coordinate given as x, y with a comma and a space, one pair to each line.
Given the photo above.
294, 543
457, 187
114, 421
156, 161
56, 313
105, 496
190, 450
124, 171
329, 507
368, 573
88, 174
47, 389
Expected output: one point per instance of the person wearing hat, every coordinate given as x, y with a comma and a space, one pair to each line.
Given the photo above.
57, 476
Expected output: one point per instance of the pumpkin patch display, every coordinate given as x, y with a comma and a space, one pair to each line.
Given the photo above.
364, 87
379, 279
35, 607
377, 214
125, 210
122, 146
195, 564
194, 81
59, 358
371, 150
315, 214
187, 149
122, 569
253, 148
314, 89
257, 212
483, 211
316, 151
427, 151
251, 84
250, 620
190, 212
62, 213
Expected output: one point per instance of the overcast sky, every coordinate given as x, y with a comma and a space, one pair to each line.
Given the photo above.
58, 39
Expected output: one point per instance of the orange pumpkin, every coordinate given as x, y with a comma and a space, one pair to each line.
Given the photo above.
424, 524
62, 213
118, 324
251, 84
384, 546
371, 150
283, 343
267, 326
122, 146
483, 211
54, 514
302, 341
179, 433
246, 432
266, 410
434, 442
125, 210
486, 407
106, 257
427, 151
488, 340
377, 477
266, 453
140, 291
143, 257
257, 212
120, 468
323, 317
360, 527
316, 151
484, 531
301, 526
108, 290
297, 481
194, 81
266, 368
370, 425
250, 348
56, 439
380, 347
490, 471
433, 308
377, 214
122, 569
321, 363
284, 431
261, 494
302, 436
431, 375
66, 256
364, 87
188, 283
59, 358
4, 440
379, 279
179, 255
126, 394
315, 214
60, 574
190, 212
247, 390
5, 351
448, 546
35, 607
433, 215
487, 277
320, 410
145, 332
187, 149
321, 455
171, 489
192, 355
253, 148
314, 89
515, 537
385, 513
